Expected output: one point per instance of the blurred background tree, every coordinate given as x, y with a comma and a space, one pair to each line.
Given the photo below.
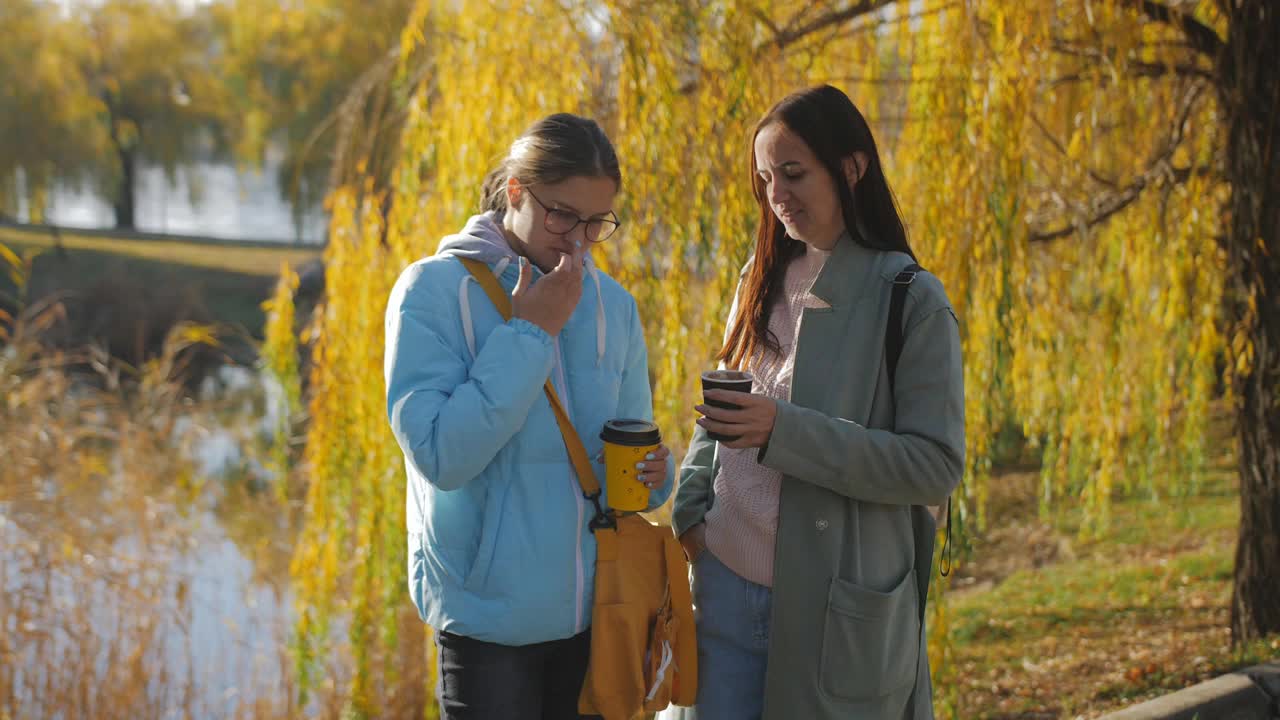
149, 67
299, 75
47, 111
101, 88
94, 90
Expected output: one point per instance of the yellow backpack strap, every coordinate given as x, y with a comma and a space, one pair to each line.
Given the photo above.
684, 690
489, 282
577, 452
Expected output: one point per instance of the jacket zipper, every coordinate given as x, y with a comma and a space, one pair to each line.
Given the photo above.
575, 488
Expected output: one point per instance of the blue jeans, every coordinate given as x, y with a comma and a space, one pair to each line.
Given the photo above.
733, 641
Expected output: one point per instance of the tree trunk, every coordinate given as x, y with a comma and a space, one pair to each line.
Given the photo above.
1250, 93
124, 199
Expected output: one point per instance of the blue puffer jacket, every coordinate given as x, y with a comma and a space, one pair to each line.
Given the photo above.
499, 548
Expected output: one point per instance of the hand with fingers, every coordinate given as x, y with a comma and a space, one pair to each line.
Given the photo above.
653, 469
694, 541
753, 423
549, 302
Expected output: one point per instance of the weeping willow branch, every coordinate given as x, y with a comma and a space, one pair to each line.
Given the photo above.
1062, 150
898, 18
365, 124
798, 30
1138, 69
1202, 37
791, 35
1159, 171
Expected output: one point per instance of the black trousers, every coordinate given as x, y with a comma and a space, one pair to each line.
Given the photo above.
486, 681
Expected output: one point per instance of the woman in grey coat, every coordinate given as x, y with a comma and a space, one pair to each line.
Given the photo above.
809, 533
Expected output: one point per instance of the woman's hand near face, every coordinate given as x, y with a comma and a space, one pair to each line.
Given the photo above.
549, 302
754, 422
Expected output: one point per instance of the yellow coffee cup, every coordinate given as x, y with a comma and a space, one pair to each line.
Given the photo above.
626, 442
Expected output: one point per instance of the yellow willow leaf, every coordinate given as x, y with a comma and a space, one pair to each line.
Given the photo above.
17, 269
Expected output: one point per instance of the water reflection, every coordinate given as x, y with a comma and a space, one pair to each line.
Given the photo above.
230, 202
131, 587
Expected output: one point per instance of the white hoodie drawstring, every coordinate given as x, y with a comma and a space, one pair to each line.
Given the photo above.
667, 656
600, 321
464, 303
501, 267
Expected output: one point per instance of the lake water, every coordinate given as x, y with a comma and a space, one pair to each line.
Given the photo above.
233, 203
129, 582
218, 619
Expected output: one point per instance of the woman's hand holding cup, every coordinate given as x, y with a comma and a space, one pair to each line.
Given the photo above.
750, 425
653, 469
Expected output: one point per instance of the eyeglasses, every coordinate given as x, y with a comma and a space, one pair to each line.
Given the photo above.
562, 222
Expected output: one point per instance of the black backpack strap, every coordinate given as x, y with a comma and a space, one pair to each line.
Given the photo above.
893, 342
893, 334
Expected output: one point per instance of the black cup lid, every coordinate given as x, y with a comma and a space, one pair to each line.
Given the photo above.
627, 431
733, 376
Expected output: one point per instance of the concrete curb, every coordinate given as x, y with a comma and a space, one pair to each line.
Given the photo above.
1249, 694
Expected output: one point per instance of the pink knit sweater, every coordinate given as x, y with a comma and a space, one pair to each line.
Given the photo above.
742, 525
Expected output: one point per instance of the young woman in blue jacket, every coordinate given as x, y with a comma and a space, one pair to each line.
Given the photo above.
501, 559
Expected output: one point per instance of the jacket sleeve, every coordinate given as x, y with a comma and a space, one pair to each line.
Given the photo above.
920, 462
635, 398
451, 416
694, 494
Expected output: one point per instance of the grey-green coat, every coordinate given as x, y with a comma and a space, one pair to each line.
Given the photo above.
846, 639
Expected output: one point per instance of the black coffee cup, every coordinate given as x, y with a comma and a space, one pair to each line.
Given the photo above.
736, 380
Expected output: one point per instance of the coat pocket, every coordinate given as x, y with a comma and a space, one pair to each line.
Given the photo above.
871, 640
417, 573
490, 532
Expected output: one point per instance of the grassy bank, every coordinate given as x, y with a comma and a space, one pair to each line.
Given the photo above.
1049, 625
213, 282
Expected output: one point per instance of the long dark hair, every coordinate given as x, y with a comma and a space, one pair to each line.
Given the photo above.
553, 149
829, 123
